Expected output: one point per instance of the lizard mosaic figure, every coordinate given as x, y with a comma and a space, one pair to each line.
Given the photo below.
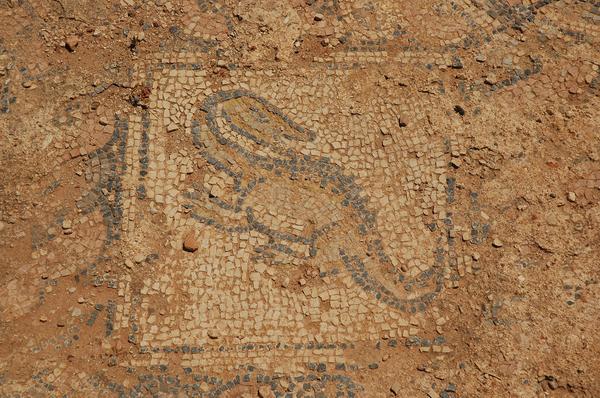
254, 143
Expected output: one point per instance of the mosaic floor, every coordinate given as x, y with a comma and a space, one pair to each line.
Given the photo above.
229, 219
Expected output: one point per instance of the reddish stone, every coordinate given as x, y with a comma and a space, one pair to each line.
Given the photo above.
190, 244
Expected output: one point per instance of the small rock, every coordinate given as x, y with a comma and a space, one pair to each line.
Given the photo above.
456, 163
190, 244
571, 197
432, 394
456, 63
71, 43
67, 224
491, 79
139, 258
43, 319
395, 389
172, 127
459, 109
480, 58
497, 243
128, 263
319, 17
213, 334
265, 392
103, 121
76, 312
81, 300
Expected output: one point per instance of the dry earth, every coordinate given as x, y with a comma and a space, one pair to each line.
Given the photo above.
299, 198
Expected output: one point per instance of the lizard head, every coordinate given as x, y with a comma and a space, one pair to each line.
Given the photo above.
247, 119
